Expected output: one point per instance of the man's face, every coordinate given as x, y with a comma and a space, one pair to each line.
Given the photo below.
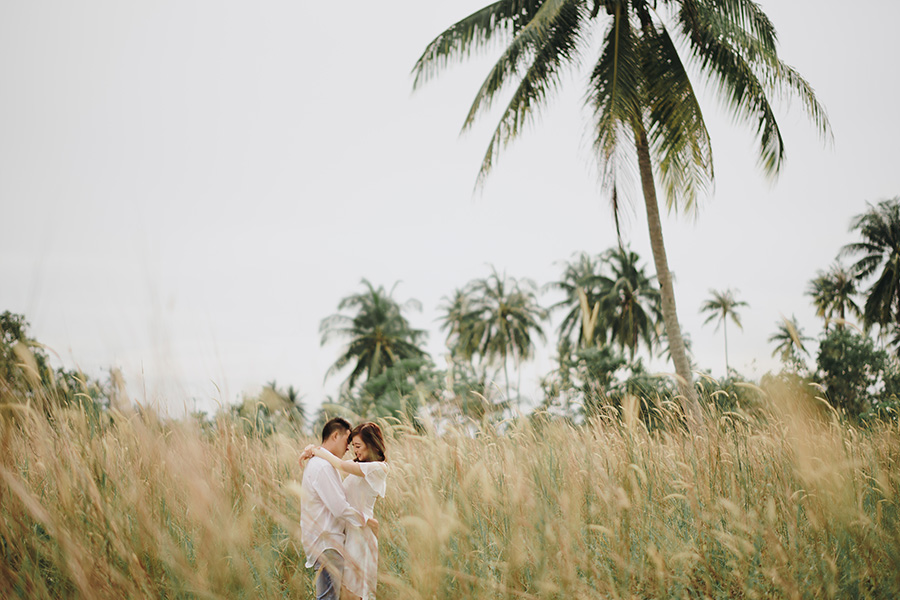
342, 444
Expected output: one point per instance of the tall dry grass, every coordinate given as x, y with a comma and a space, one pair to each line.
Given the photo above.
796, 507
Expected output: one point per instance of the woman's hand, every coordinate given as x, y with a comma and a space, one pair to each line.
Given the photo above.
308, 452
373, 525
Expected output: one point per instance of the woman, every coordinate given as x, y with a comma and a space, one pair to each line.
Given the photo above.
365, 481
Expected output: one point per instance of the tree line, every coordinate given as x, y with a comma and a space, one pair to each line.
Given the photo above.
611, 321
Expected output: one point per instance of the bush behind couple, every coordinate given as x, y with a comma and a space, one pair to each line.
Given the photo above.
338, 529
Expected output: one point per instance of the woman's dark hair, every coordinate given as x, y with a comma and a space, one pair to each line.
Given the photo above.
370, 434
335, 424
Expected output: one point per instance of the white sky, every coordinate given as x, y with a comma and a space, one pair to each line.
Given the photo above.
188, 187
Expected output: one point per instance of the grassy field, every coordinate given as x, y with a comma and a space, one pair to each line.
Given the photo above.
794, 506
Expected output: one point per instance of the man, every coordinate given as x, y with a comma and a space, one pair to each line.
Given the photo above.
325, 513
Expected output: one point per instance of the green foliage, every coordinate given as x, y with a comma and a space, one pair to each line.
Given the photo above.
734, 393
398, 391
272, 410
593, 382
886, 404
26, 376
652, 394
24, 368
414, 389
850, 368
469, 396
582, 380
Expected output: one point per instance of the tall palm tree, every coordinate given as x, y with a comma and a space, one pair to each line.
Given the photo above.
378, 333
642, 98
879, 253
789, 340
721, 306
583, 284
501, 320
832, 293
630, 307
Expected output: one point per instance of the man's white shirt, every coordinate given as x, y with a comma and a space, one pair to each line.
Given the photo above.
324, 511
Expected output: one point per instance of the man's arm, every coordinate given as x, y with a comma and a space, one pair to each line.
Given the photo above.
332, 495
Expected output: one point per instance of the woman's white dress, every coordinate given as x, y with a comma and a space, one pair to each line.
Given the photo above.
361, 545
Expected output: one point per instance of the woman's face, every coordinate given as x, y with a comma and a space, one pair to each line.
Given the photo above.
359, 449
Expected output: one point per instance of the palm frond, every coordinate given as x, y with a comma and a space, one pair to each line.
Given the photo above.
746, 15
736, 82
757, 47
676, 129
545, 45
501, 19
615, 96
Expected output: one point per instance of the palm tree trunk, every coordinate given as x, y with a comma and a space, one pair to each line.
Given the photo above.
725, 330
506, 375
667, 293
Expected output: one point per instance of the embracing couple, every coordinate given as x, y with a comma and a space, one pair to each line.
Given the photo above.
339, 533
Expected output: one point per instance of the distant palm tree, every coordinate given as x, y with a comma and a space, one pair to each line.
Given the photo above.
722, 306
832, 293
501, 318
461, 319
789, 339
378, 333
630, 308
879, 253
583, 284
643, 100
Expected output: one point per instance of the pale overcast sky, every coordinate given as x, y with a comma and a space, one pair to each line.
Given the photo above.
188, 187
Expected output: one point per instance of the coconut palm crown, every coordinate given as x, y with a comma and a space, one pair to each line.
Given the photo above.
642, 99
878, 256
378, 333
630, 307
495, 319
583, 283
833, 293
790, 343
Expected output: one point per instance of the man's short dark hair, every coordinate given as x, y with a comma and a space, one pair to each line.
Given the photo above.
335, 424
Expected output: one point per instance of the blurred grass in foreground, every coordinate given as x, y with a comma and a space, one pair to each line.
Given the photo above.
791, 506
